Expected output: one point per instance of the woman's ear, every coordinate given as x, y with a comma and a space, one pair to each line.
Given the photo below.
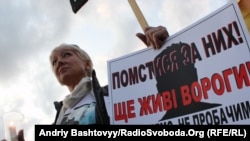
88, 64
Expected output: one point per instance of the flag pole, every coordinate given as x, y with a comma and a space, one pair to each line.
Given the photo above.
142, 21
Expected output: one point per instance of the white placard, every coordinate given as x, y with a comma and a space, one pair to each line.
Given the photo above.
200, 76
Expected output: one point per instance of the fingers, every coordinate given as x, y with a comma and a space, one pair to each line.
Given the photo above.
149, 33
142, 37
159, 37
156, 36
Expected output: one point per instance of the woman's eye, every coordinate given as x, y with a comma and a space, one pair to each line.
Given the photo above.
66, 54
54, 62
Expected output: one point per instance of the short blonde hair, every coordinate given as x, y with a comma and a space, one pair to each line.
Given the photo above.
83, 55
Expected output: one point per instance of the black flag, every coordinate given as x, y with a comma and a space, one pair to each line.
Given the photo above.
77, 4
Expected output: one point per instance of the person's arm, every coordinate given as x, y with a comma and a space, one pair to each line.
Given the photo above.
154, 36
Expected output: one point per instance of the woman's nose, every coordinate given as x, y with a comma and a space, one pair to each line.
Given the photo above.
60, 61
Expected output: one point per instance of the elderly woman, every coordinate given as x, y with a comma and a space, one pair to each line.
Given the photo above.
73, 68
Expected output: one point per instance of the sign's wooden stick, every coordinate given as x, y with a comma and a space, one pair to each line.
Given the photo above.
245, 11
138, 14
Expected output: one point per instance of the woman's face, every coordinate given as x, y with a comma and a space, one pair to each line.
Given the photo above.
67, 66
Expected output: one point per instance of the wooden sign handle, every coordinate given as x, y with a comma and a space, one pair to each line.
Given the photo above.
138, 14
245, 11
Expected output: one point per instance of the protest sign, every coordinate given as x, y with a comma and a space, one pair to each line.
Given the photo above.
200, 76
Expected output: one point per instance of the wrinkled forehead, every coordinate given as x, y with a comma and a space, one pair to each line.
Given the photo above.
59, 50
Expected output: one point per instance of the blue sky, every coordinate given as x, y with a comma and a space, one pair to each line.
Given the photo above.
105, 29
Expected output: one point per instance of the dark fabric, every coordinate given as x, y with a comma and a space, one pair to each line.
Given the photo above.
100, 109
58, 106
